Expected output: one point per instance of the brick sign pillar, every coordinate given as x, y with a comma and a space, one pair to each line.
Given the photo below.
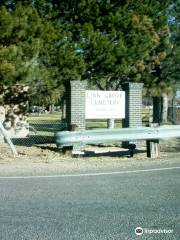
75, 105
133, 106
133, 109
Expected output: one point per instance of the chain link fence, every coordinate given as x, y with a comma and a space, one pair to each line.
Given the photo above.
41, 129
173, 111
42, 126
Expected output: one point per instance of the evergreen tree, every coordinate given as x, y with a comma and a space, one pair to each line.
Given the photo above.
119, 40
171, 67
36, 51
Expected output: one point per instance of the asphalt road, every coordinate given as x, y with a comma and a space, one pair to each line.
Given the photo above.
90, 207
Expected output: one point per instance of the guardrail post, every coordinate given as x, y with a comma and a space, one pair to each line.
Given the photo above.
153, 149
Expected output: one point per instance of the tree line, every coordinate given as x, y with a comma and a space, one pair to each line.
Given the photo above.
46, 43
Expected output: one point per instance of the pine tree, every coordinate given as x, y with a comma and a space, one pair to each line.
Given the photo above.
36, 51
171, 67
119, 40
106, 42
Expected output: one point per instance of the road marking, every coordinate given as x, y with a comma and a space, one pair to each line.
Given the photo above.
90, 174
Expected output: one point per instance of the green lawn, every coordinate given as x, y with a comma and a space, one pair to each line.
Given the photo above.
90, 124
45, 117
45, 124
48, 124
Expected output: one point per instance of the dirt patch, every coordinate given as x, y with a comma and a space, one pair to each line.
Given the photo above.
49, 153
45, 159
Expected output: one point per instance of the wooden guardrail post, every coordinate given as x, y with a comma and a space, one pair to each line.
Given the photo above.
153, 148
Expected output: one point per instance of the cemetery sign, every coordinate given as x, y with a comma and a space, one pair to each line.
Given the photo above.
105, 104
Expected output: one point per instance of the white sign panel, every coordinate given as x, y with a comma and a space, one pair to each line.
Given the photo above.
105, 104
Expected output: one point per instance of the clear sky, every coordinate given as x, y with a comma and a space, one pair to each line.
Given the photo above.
178, 94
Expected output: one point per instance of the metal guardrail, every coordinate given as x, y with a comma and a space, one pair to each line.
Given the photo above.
99, 136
